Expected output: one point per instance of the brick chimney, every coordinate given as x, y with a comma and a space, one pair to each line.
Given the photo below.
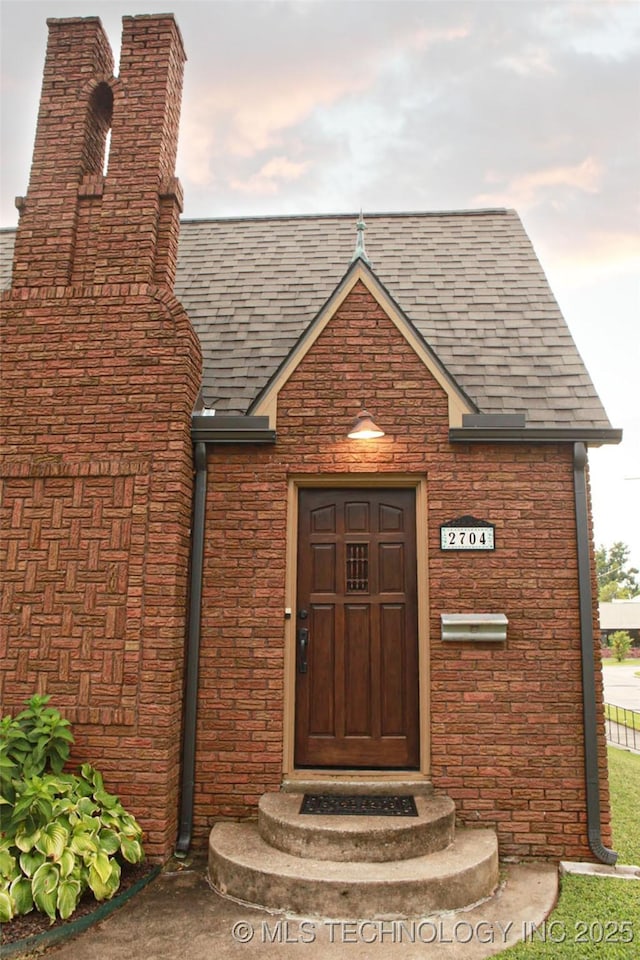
77, 225
101, 370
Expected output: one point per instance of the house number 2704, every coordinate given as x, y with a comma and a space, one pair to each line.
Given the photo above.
467, 538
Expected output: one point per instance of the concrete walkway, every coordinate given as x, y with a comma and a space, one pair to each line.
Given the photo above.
621, 686
178, 917
622, 689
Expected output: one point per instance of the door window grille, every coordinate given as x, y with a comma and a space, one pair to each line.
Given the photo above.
357, 559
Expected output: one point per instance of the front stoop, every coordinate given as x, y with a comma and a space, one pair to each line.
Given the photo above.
355, 838
353, 866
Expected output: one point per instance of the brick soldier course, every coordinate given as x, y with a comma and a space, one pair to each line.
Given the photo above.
111, 307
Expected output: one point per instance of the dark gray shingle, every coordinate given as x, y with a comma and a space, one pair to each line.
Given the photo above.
470, 282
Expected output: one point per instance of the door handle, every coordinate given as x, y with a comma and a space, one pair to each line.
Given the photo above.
302, 636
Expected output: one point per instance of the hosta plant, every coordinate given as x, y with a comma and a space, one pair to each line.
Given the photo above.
35, 740
61, 833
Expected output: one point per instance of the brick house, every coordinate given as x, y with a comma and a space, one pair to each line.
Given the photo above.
223, 590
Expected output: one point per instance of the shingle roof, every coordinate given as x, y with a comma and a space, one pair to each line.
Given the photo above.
470, 282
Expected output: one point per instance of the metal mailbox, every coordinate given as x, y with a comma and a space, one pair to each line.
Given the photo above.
474, 627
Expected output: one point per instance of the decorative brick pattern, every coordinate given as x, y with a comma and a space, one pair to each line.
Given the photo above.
73, 555
79, 409
506, 723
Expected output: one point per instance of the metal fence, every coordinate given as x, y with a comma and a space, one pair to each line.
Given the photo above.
623, 726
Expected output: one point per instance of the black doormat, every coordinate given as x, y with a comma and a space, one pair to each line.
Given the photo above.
358, 806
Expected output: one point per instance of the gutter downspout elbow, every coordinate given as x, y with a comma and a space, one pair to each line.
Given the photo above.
592, 779
193, 654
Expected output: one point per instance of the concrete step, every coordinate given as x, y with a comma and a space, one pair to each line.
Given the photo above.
366, 838
350, 784
243, 866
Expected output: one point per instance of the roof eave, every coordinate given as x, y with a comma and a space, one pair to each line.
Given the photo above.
231, 429
592, 436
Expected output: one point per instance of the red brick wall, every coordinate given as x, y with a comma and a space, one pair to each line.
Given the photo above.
101, 369
506, 721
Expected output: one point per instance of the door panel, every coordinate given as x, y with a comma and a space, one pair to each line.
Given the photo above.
357, 699
357, 670
356, 517
323, 519
323, 561
393, 667
390, 518
391, 567
321, 669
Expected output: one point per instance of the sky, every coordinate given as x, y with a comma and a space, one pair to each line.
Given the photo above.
315, 106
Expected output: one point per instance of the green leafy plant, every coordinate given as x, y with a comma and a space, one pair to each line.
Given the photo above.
620, 643
61, 833
36, 739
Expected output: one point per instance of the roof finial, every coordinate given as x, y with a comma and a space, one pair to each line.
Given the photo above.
360, 252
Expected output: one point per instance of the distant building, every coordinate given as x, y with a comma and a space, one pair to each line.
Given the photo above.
620, 615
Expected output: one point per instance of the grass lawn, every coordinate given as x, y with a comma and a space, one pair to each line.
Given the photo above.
622, 715
624, 783
612, 662
592, 910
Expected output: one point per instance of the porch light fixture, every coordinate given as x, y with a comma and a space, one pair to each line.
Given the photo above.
365, 428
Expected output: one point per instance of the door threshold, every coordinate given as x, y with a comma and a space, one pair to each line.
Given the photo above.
404, 783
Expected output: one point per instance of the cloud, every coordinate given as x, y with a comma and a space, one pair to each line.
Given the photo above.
240, 122
601, 255
530, 61
525, 190
398, 105
271, 177
297, 65
425, 37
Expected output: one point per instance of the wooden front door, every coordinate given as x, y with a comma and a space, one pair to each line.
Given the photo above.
357, 702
